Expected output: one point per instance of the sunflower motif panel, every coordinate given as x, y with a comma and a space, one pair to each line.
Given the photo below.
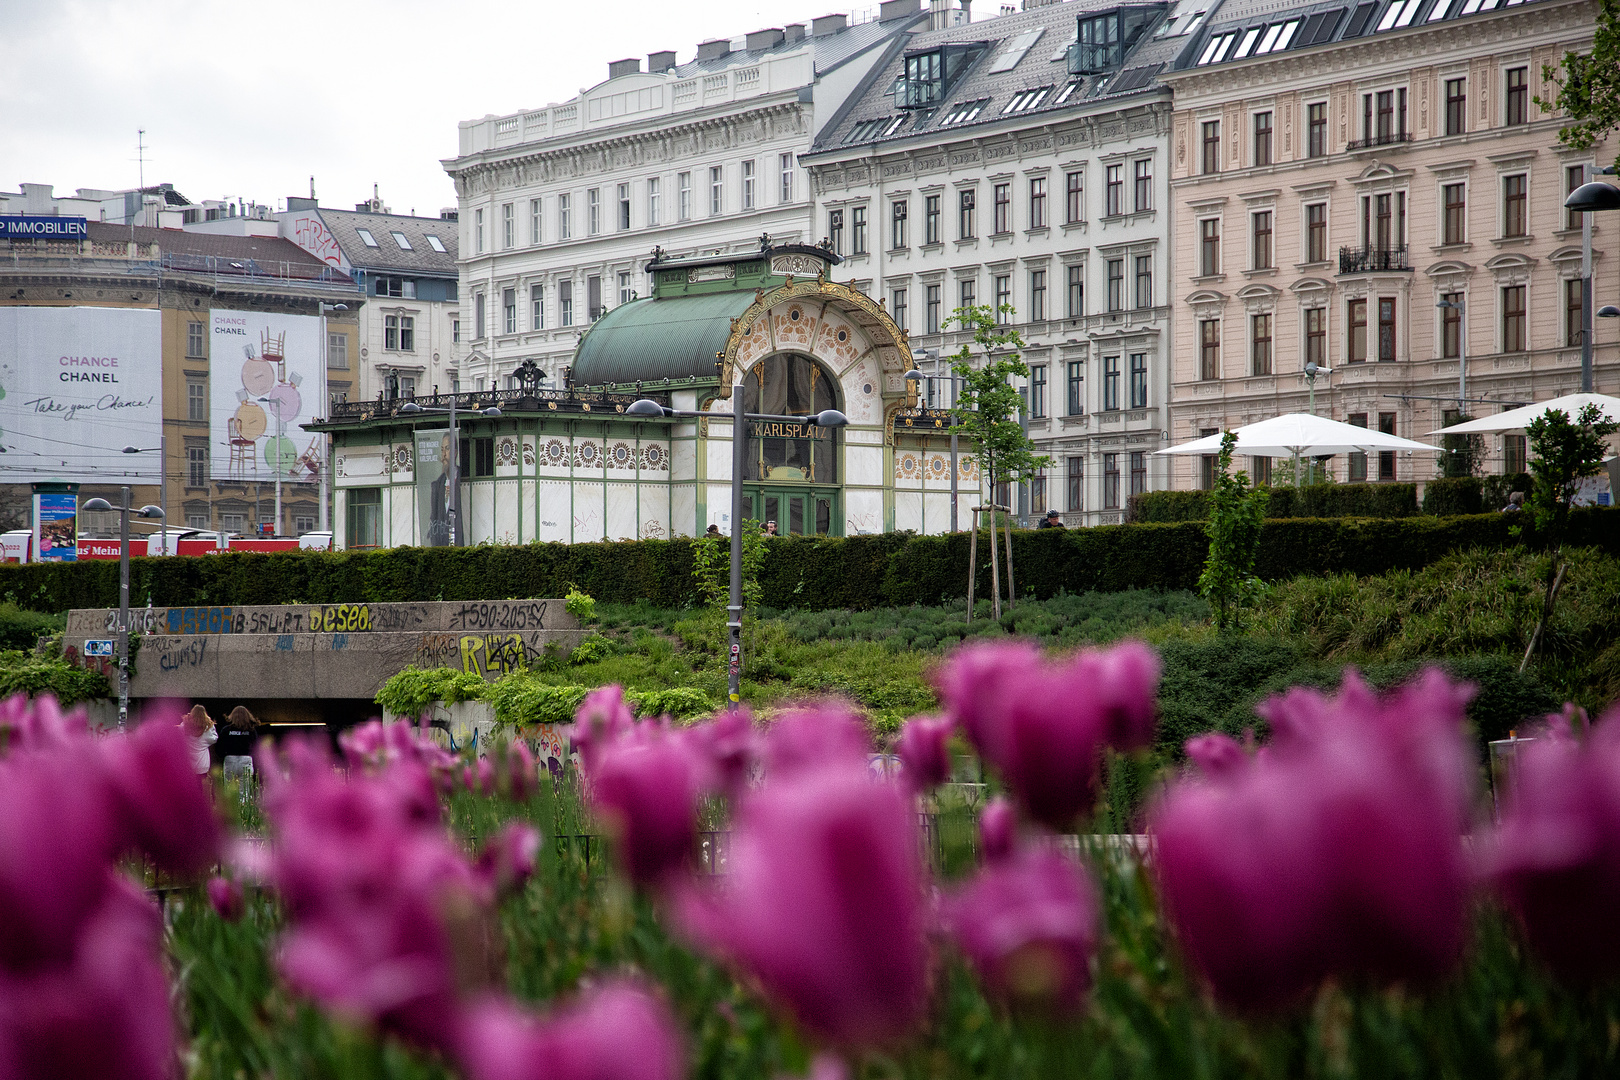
654, 456
587, 455
621, 456
507, 452
908, 465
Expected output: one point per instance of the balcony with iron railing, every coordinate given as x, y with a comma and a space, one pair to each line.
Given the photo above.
1373, 260
525, 398
1388, 138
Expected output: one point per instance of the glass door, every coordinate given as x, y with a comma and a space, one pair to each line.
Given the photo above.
796, 511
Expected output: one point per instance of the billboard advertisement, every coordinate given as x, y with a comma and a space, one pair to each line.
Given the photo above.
56, 525
433, 488
266, 377
77, 385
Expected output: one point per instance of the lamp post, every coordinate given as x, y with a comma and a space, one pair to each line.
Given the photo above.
915, 376
147, 511
647, 409
163, 480
411, 408
1461, 308
1584, 200
1312, 370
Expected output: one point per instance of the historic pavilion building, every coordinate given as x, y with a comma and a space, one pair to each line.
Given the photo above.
568, 464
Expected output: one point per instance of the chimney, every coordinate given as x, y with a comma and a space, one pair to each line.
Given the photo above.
660, 62
713, 50
828, 24
793, 32
623, 67
763, 39
967, 11
298, 202
898, 9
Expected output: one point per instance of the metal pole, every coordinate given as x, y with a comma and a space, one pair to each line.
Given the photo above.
953, 474
1586, 291
163, 489
973, 560
734, 609
326, 449
457, 538
123, 610
281, 433
1462, 357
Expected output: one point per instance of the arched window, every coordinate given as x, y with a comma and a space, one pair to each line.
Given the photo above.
790, 384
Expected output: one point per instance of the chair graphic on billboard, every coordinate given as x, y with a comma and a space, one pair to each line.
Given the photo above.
265, 386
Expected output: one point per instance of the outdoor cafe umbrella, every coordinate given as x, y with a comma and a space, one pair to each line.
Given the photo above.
1517, 419
1300, 434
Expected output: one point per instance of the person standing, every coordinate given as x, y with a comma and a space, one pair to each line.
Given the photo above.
242, 731
200, 735
1052, 520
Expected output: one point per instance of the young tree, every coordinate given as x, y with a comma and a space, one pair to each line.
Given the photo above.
1565, 453
1461, 455
1589, 86
1236, 514
987, 403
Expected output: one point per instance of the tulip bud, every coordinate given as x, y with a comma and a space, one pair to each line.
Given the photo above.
924, 751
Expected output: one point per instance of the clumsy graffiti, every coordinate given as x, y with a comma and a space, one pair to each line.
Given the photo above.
190, 654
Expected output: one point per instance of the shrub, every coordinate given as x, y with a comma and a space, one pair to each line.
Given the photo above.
1453, 495
1162, 506
592, 650
20, 629
411, 691
579, 604
22, 673
679, 702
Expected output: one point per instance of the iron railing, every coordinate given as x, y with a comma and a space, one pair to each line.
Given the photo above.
519, 399
1393, 138
1368, 260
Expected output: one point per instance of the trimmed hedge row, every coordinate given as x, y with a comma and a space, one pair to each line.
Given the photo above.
1312, 500
859, 572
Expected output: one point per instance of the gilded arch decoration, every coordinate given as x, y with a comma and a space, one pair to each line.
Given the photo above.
752, 335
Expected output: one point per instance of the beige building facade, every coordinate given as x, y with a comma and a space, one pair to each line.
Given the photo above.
1373, 188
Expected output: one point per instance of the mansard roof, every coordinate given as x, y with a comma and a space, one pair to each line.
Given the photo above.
1017, 68
1245, 29
422, 258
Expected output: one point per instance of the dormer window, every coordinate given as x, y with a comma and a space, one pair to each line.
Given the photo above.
928, 76
366, 238
1104, 39
403, 242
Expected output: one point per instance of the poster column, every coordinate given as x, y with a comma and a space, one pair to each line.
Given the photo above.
56, 522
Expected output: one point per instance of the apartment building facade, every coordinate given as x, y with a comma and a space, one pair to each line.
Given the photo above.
561, 208
1373, 188
1022, 163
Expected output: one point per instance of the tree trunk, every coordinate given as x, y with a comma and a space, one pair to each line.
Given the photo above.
1555, 579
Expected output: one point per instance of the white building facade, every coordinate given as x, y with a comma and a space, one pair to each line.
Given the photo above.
1004, 163
562, 207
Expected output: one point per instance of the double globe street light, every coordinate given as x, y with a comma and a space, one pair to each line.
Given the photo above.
124, 510
647, 409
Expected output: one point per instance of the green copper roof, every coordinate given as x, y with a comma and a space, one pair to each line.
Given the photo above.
652, 340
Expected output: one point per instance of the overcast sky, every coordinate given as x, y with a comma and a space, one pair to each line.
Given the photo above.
247, 100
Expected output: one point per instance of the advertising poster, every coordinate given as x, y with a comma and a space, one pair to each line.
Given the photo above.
265, 378
433, 487
56, 525
77, 385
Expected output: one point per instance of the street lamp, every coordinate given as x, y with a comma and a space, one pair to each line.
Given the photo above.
914, 376
147, 511
1584, 200
1312, 370
163, 479
410, 408
647, 409
1460, 306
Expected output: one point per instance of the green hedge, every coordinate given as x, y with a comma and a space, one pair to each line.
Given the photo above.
1313, 500
859, 572
1454, 495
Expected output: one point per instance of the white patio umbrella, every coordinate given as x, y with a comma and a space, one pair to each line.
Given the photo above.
1517, 419
1300, 434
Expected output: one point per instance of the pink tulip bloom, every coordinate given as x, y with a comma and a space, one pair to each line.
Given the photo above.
479, 777
1028, 924
165, 808
924, 751
998, 829
812, 736
615, 1031
1336, 851
509, 858
823, 904
1555, 860
602, 717
1216, 754
1043, 726
57, 837
645, 787
39, 723
226, 898
728, 746
105, 1012
517, 771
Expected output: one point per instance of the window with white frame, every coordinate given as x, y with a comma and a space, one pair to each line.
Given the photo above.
785, 163
623, 206
508, 227
536, 225
565, 216
717, 190
748, 185
537, 306
655, 201
478, 232
683, 196
593, 211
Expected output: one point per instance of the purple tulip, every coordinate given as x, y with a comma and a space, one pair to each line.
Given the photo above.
103, 1013
645, 787
57, 837
165, 808
39, 723
1044, 726
1556, 857
1028, 923
1334, 852
479, 777
812, 736
226, 897
602, 717
924, 751
1216, 754
376, 745
517, 770
823, 905
729, 747
998, 829
508, 860
615, 1031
